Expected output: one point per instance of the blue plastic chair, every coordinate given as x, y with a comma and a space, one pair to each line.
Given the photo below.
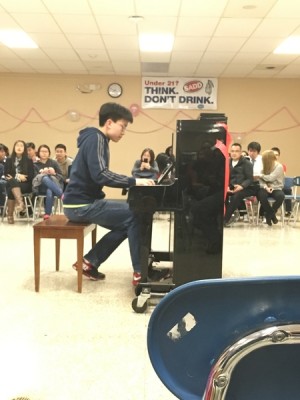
237, 339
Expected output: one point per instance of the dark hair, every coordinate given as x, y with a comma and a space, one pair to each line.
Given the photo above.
114, 112
276, 149
43, 145
162, 160
237, 144
30, 145
254, 146
152, 155
5, 148
61, 146
169, 150
24, 158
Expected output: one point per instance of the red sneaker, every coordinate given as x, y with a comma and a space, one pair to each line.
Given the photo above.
89, 271
137, 276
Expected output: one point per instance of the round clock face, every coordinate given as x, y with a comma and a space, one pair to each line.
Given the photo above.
115, 90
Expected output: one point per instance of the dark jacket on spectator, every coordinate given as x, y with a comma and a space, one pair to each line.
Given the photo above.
242, 173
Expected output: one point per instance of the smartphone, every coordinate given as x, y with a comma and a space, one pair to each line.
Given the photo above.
145, 160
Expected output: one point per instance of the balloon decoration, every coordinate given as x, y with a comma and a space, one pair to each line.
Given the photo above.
73, 115
135, 109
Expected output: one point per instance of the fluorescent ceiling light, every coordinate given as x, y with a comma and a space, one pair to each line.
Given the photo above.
289, 46
156, 42
16, 39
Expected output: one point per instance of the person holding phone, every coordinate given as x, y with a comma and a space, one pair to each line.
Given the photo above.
146, 166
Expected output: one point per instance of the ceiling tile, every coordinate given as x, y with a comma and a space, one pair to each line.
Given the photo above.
28, 6
183, 69
238, 8
40, 23
157, 7
115, 42
211, 8
155, 57
236, 27
269, 27
71, 23
195, 26
186, 56
211, 38
92, 55
190, 43
225, 44
214, 69
86, 41
113, 7
217, 56
115, 25
285, 9
61, 54
263, 44
51, 40
67, 7
128, 56
122, 68
7, 22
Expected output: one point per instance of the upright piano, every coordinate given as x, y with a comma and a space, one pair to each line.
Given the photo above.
194, 194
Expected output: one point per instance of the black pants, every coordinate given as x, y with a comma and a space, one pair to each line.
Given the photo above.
233, 201
26, 187
263, 196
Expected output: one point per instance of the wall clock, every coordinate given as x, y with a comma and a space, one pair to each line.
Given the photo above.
115, 90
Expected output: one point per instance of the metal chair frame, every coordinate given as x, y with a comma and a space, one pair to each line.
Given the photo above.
27, 203
221, 372
207, 339
39, 204
295, 199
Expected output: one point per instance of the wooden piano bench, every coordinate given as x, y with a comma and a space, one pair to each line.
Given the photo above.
59, 227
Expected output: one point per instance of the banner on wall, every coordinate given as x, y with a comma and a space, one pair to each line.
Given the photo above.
179, 93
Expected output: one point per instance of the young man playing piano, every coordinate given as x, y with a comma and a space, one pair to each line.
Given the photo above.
84, 199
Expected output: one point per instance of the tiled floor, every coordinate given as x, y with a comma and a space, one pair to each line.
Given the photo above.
61, 345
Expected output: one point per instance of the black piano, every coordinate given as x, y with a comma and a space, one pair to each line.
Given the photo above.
193, 194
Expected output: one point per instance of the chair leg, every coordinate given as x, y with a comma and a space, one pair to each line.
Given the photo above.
4, 211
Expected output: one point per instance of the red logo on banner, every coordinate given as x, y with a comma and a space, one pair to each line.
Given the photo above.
192, 86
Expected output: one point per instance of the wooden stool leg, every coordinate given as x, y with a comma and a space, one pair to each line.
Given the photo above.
94, 236
37, 259
57, 253
80, 243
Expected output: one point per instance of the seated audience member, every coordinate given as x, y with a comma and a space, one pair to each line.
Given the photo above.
170, 154
241, 183
3, 159
48, 178
254, 149
63, 160
6, 149
286, 190
31, 152
271, 181
146, 166
162, 161
19, 173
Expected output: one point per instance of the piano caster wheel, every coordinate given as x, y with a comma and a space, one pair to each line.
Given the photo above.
138, 309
